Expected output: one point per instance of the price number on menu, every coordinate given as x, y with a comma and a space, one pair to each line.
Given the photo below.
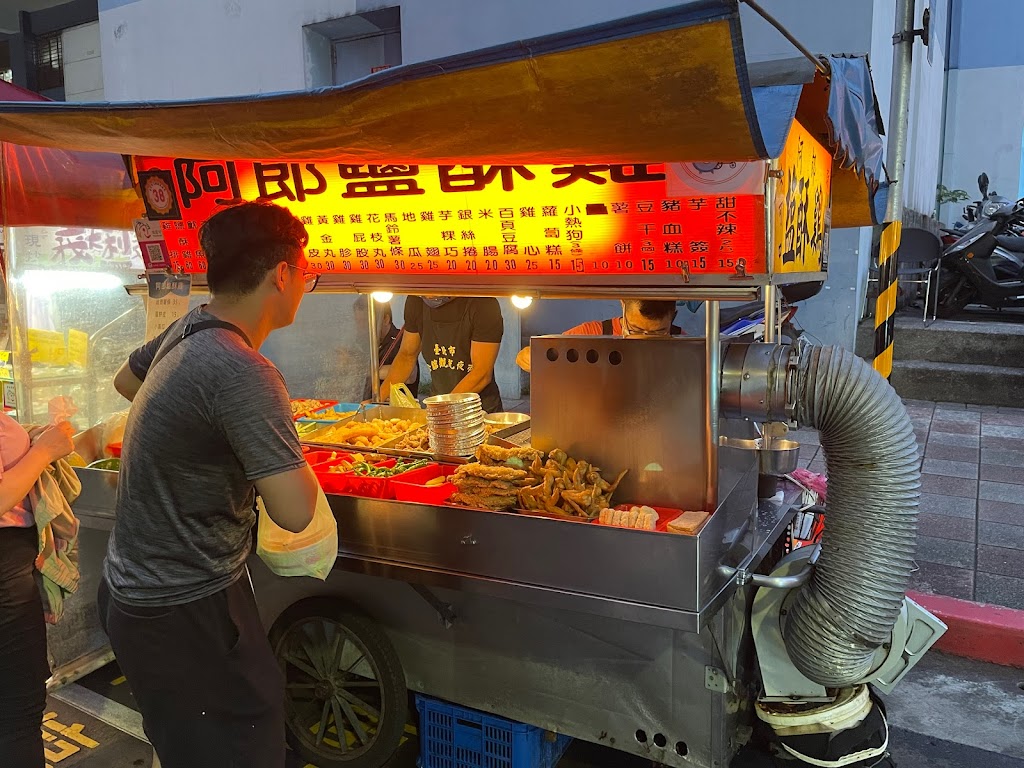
519, 265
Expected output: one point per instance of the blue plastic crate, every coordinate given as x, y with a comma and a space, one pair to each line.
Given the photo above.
456, 737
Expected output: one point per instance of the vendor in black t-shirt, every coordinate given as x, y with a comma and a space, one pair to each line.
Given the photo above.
459, 339
389, 342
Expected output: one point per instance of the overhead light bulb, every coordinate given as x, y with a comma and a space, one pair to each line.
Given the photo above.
46, 282
382, 297
522, 302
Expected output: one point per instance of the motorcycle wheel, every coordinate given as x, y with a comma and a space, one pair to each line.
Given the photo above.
955, 293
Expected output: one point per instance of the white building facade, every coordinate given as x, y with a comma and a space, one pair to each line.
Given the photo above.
188, 49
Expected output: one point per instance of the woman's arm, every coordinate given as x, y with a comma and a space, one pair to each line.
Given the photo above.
53, 443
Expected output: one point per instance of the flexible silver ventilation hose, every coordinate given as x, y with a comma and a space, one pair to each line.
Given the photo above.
839, 620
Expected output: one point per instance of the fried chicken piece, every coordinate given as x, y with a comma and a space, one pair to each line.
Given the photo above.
493, 455
491, 473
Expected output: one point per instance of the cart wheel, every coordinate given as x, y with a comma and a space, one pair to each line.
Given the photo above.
345, 695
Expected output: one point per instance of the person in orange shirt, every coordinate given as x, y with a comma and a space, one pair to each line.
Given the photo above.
640, 318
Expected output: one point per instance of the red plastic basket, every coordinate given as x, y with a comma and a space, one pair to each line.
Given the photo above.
413, 485
321, 457
332, 482
357, 485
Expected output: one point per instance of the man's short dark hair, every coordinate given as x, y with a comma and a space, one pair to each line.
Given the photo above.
652, 310
244, 242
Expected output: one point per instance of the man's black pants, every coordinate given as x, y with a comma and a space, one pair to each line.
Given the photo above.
203, 673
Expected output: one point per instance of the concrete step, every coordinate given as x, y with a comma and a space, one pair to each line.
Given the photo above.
958, 382
950, 341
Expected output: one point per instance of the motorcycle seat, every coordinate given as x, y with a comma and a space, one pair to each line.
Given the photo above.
1011, 243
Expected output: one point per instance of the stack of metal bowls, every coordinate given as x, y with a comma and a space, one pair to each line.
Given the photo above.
455, 423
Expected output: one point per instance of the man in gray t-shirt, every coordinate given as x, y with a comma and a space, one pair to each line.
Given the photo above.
210, 426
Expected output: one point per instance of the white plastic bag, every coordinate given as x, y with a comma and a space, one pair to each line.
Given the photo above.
311, 552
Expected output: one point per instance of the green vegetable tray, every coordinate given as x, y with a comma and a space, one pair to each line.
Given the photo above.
365, 485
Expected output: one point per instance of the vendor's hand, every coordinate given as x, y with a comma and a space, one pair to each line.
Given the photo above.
55, 441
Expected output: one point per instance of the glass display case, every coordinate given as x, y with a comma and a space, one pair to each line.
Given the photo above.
72, 324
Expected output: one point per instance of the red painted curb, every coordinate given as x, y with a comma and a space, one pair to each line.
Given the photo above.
976, 630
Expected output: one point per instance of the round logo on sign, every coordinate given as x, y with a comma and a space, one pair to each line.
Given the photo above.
158, 195
713, 173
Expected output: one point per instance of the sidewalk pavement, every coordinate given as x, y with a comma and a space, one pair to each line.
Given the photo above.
971, 527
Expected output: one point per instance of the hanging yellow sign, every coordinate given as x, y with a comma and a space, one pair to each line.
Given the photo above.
47, 347
78, 348
801, 208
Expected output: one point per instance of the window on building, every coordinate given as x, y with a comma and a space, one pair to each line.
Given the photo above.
348, 48
49, 62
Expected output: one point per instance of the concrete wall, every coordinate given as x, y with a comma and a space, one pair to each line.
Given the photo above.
984, 111
83, 69
258, 46
983, 131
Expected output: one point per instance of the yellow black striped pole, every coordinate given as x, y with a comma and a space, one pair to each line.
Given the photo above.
896, 156
885, 305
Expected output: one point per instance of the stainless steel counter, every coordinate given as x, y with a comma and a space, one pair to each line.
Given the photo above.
653, 578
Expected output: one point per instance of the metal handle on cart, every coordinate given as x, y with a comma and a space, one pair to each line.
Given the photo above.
793, 581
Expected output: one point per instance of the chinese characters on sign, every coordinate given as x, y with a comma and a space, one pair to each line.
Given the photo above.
166, 302
802, 199
598, 219
75, 248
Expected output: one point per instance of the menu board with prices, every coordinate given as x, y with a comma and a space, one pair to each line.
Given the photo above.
496, 221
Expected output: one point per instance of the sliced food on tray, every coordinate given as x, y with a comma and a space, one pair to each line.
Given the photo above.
364, 434
642, 518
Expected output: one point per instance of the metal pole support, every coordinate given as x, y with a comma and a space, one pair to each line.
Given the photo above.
888, 265
371, 316
713, 362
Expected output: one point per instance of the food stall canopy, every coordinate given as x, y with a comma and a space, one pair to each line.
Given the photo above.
54, 186
668, 86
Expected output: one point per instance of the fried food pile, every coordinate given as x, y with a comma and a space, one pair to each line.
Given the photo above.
507, 477
567, 487
364, 434
487, 487
333, 415
417, 440
306, 406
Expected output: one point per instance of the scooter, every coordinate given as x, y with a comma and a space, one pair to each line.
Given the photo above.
745, 322
985, 265
990, 202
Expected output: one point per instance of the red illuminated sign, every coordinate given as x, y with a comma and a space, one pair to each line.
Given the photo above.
597, 219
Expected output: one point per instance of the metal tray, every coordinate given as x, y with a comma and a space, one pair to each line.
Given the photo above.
369, 414
388, 449
514, 429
